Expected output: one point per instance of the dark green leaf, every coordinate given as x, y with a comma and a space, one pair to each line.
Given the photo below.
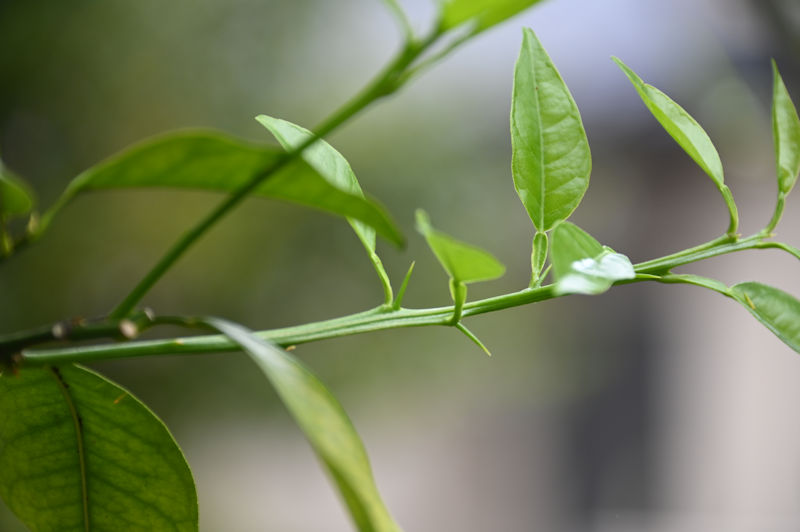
581, 265
214, 161
79, 453
328, 162
550, 161
463, 262
776, 309
15, 197
484, 13
786, 133
325, 424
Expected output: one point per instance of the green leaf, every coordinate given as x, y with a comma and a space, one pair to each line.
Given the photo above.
679, 124
328, 162
581, 265
786, 133
776, 309
484, 13
324, 422
79, 453
687, 133
551, 161
463, 262
214, 161
15, 196
538, 257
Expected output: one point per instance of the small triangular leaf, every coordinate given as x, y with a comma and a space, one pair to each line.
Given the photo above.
581, 265
463, 262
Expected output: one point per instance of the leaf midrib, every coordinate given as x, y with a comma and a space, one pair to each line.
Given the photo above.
76, 421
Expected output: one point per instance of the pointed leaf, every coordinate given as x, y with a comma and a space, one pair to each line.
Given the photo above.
679, 124
581, 265
550, 161
214, 161
15, 197
78, 453
484, 13
324, 422
786, 133
328, 162
463, 262
776, 309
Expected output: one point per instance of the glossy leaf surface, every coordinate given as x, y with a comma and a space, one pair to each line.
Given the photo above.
79, 453
15, 198
328, 162
776, 309
214, 161
324, 422
786, 134
484, 13
463, 262
581, 265
679, 124
551, 161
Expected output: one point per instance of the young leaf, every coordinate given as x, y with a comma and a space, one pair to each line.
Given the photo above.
551, 161
484, 13
324, 422
214, 161
786, 133
15, 198
463, 262
78, 452
776, 309
538, 257
687, 133
581, 265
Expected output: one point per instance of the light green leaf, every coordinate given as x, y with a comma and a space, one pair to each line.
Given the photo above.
538, 257
484, 13
463, 262
551, 161
328, 162
15, 196
581, 265
214, 161
687, 133
79, 453
776, 309
324, 422
786, 133
679, 124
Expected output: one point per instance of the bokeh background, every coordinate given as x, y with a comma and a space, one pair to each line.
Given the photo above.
650, 408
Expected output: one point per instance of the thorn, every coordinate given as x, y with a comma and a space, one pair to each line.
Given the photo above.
120, 398
750, 302
460, 326
291, 348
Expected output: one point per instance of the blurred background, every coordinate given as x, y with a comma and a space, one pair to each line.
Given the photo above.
650, 408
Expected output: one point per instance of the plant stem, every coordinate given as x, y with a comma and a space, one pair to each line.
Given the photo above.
372, 320
386, 83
